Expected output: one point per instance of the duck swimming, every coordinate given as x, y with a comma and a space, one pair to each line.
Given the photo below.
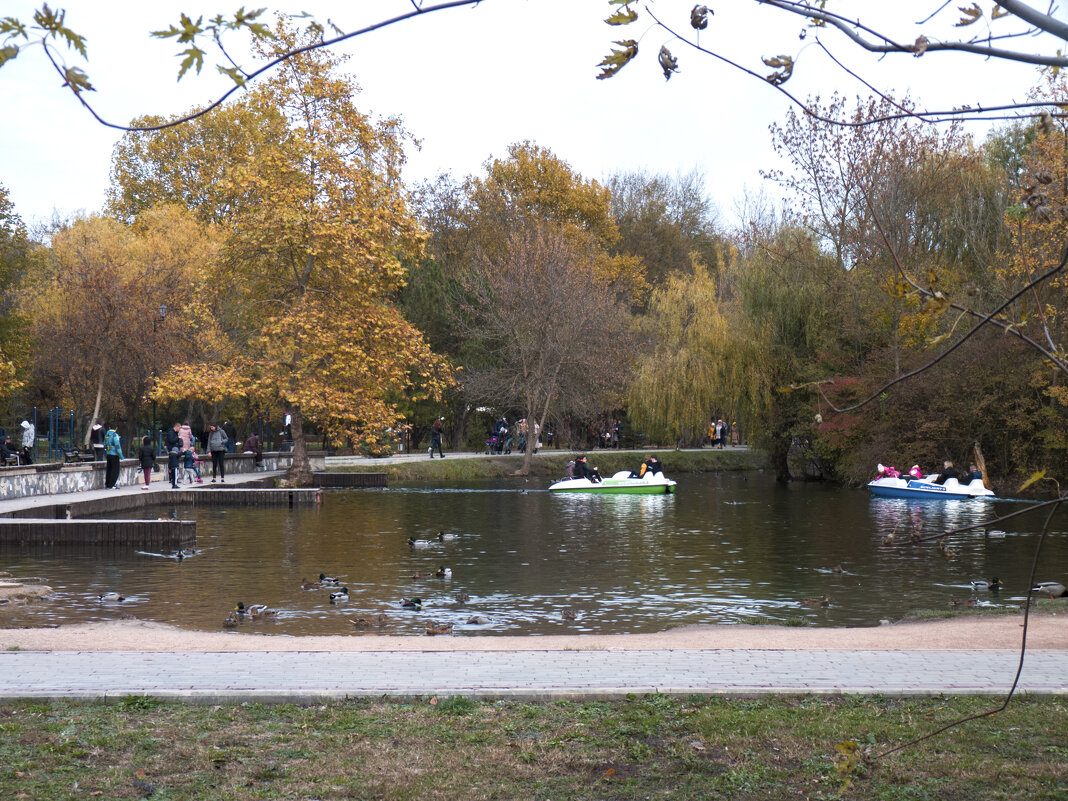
328, 581
111, 596
414, 543
443, 572
443, 537
816, 603
421, 575
255, 611
309, 585
339, 595
412, 603
982, 585
438, 628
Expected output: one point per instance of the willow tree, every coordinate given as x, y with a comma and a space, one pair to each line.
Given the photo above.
315, 256
695, 366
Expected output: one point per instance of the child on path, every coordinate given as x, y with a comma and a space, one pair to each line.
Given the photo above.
192, 465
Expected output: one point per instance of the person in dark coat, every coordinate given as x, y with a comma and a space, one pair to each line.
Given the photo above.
173, 443
583, 470
146, 454
948, 472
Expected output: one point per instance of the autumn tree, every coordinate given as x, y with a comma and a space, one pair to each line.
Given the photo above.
477, 222
15, 247
94, 308
317, 250
557, 334
667, 221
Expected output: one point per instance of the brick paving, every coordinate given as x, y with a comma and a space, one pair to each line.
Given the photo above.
306, 676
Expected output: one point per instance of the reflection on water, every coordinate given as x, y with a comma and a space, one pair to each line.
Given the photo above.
725, 548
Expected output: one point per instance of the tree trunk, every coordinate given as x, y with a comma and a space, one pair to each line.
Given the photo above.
96, 407
299, 474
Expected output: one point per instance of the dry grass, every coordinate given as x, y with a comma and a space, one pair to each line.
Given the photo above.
648, 747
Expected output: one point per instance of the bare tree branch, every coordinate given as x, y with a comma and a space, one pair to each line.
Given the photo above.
850, 28
964, 113
256, 73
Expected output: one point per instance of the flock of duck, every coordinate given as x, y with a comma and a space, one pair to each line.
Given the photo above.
339, 594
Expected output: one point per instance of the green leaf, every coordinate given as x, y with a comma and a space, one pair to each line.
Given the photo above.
235, 74
167, 34
618, 59
8, 53
624, 16
194, 55
77, 80
10, 25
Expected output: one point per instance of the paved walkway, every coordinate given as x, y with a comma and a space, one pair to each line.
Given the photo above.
306, 676
159, 486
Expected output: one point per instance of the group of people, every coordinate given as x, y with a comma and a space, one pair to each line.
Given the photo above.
502, 437
580, 468
22, 453
181, 448
606, 434
718, 432
948, 472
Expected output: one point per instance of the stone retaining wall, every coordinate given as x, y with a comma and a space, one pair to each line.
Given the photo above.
351, 479
140, 533
57, 478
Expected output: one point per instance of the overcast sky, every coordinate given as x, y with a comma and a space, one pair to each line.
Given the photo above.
470, 81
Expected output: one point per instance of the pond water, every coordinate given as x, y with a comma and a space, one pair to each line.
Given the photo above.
727, 548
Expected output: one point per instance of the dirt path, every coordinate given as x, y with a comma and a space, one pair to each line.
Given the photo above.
1047, 631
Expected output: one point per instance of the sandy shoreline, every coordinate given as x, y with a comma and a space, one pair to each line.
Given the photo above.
980, 632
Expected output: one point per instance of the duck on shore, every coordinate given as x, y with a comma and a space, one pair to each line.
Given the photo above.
1053, 589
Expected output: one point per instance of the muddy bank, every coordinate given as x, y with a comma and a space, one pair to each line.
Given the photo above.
980, 632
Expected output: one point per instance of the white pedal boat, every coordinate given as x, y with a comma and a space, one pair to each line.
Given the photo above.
925, 487
619, 484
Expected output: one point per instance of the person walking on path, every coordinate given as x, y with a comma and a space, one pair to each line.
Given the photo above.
147, 455
174, 452
113, 454
435, 438
218, 444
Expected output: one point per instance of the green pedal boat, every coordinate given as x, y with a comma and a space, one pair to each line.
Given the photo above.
619, 484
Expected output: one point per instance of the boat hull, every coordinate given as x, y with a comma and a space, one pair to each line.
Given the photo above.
926, 489
619, 484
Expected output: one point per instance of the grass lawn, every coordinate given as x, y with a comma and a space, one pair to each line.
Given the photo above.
550, 464
650, 747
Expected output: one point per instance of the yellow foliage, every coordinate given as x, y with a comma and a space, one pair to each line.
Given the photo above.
318, 234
